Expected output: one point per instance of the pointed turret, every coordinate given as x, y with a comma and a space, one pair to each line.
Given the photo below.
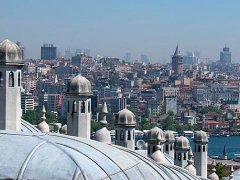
43, 126
225, 151
103, 135
213, 175
177, 52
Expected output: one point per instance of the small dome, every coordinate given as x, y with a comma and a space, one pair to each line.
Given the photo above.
181, 143
125, 117
43, 127
103, 135
191, 169
156, 133
10, 53
169, 136
200, 137
79, 85
158, 156
64, 129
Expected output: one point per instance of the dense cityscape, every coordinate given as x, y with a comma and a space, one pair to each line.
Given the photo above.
190, 93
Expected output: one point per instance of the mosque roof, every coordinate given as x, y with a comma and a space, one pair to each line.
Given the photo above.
56, 156
79, 85
10, 53
27, 127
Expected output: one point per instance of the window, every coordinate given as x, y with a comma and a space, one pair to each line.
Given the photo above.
121, 135
171, 147
148, 149
195, 148
88, 107
204, 149
68, 106
129, 135
1, 79
74, 106
133, 135
184, 156
166, 147
153, 149
11, 79
19, 79
83, 107
175, 155
116, 135
199, 148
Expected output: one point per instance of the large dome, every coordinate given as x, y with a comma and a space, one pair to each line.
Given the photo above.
10, 53
125, 117
79, 85
56, 156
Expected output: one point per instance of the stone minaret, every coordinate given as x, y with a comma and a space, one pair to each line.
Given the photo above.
79, 107
181, 148
153, 134
169, 143
177, 62
10, 86
125, 129
103, 135
200, 153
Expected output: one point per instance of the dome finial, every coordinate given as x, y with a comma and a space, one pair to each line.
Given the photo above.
158, 156
103, 122
43, 126
43, 113
190, 166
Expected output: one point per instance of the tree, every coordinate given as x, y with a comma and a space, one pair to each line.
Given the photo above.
211, 109
231, 112
132, 109
221, 170
147, 112
114, 79
95, 126
170, 113
168, 124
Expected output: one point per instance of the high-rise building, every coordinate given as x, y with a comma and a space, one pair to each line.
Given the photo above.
86, 52
23, 50
225, 55
27, 102
128, 57
177, 62
144, 58
48, 52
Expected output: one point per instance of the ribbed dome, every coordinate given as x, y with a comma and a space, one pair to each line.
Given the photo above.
10, 53
200, 137
79, 85
56, 156
155, 133
125, 117
181, 143
169, 136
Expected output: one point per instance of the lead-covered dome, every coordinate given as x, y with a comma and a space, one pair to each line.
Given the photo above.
156, 133
200, 137
10, 53
181, 143
169, 136
79, 85
125, 117
56, 156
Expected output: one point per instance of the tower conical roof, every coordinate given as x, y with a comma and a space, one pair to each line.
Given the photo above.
177, 52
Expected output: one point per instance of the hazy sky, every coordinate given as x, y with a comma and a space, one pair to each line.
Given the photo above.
114, 27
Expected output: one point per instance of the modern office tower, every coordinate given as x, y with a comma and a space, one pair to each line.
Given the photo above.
76, 60
53, 102
78, 51
48, 52
144, 58
86, 52
128, 57
225, 55
177, 62
23, 50
68, 54
27, 102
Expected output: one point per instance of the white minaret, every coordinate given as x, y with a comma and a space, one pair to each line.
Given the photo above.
125, 129
10, 86
169, 143
153, 134
181, 148
79, 107
200, 153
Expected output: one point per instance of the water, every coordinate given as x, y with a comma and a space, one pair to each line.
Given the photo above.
216, 145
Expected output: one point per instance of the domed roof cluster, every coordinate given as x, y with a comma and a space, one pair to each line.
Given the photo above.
79, 85
200, 137
34, 156
169, 136
125, 117
181, 143
156, 133
10, 53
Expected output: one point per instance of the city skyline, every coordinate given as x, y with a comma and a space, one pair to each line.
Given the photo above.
112, 28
